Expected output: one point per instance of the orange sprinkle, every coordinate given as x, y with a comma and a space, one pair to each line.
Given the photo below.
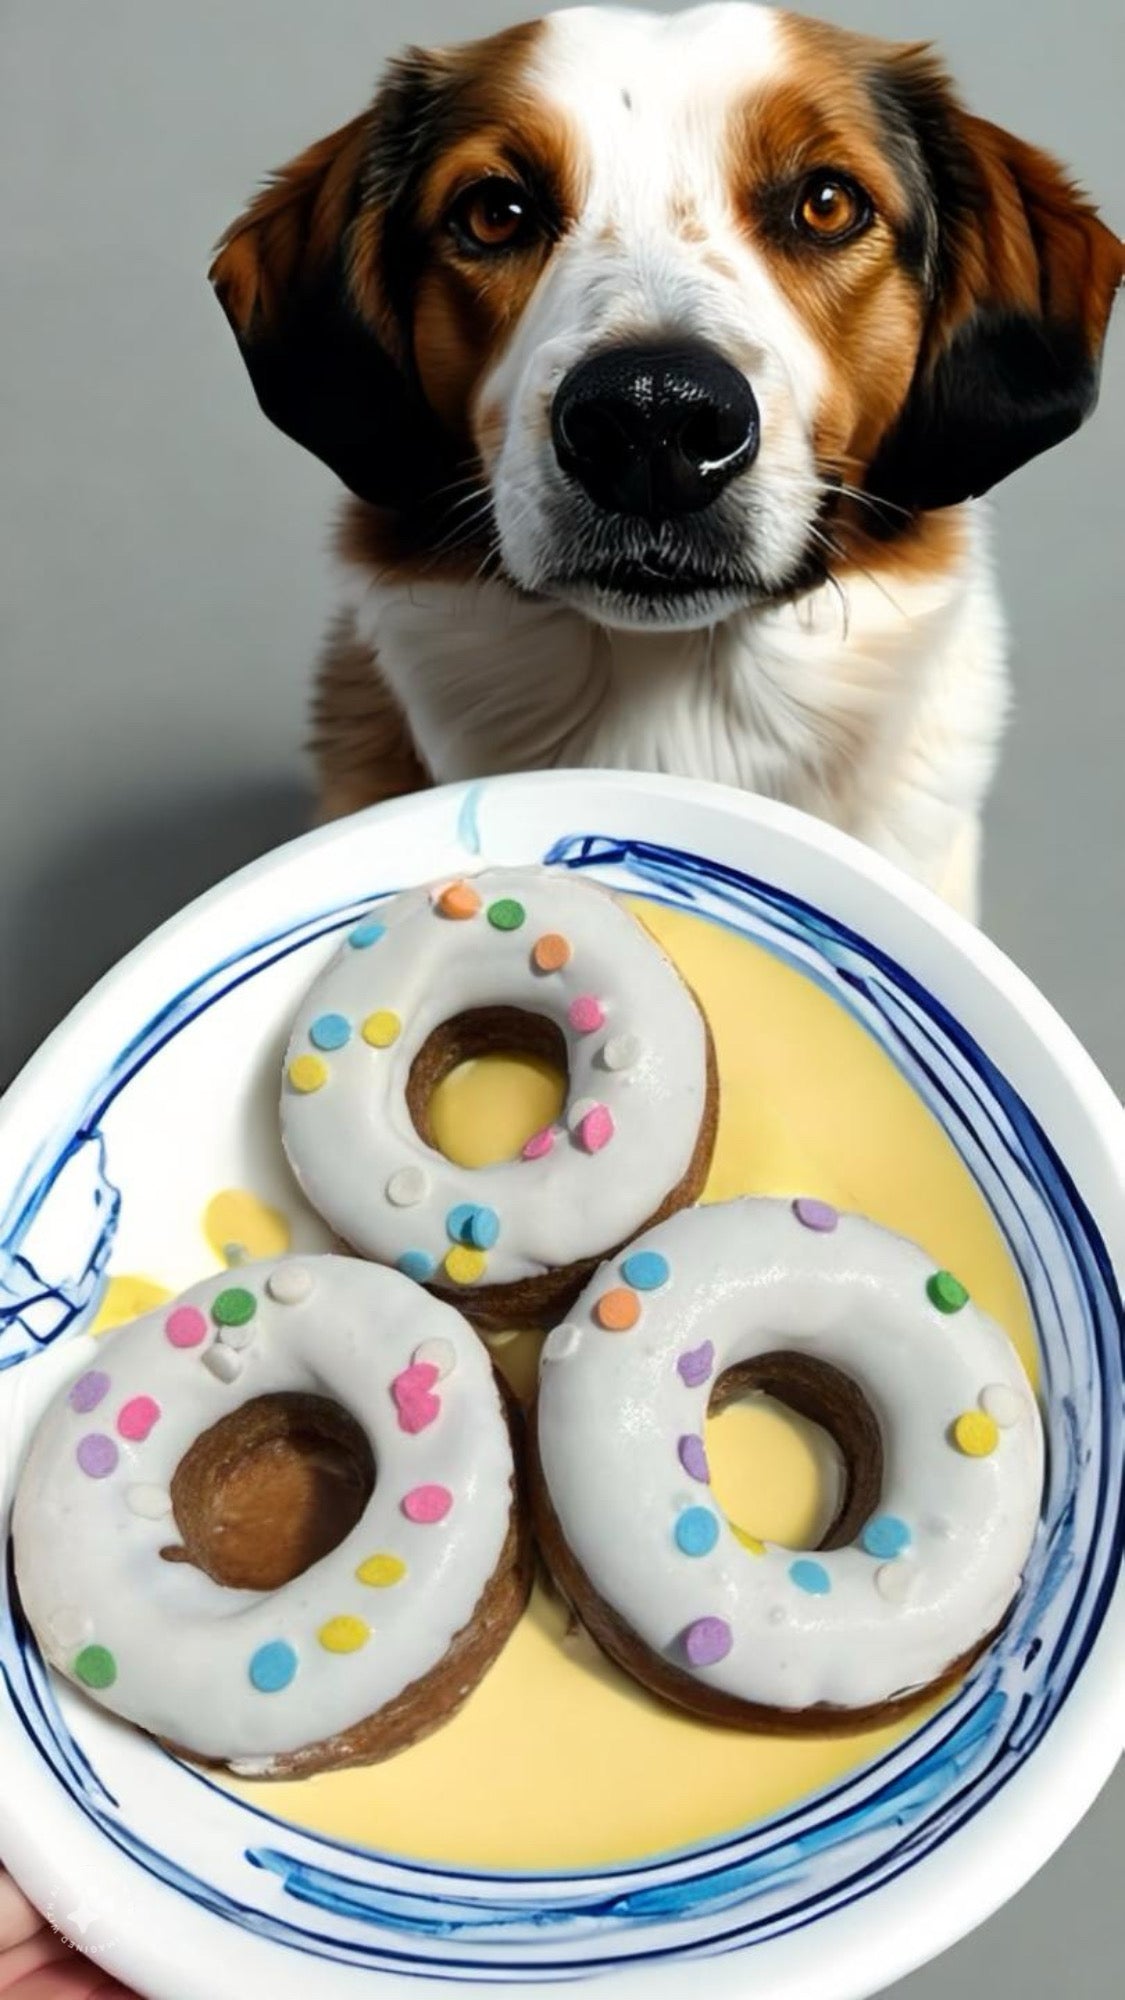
618, 1310
459, 900
551, 952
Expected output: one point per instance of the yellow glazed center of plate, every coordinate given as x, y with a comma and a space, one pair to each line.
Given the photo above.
557, 1760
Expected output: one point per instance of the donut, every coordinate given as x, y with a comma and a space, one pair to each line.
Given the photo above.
515, 959
933, 1416
156, 1532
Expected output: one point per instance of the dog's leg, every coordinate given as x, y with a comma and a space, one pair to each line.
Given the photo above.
361, 743
960, 880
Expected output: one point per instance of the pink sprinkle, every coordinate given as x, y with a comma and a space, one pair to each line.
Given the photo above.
97, 1455
586, 1014
596, 1129
185, 1327
136, 1418
417, 1407
427, 1503
87, 1392
539, 1144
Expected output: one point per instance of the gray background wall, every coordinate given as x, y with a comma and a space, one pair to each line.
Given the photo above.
163, 587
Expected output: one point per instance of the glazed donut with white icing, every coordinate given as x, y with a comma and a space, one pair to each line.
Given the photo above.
937, 1427
372, 1645
526, 959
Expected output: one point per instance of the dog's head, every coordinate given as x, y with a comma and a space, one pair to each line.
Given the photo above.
650, 309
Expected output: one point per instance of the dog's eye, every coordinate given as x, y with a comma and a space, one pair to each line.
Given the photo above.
493, 214
831, 209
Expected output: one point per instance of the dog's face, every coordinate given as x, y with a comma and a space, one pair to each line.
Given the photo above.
662, 313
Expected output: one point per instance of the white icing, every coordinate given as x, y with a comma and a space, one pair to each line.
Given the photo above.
351, 1141
749, 1277
183, 1643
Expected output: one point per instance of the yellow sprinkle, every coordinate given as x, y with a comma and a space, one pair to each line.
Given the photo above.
465, 1266
344, 1635
308, 1073
976, 1433
750, 1542
381, 1570
381, 1029
126, 1298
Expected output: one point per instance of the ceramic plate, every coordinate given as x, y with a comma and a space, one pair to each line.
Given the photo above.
873, 1050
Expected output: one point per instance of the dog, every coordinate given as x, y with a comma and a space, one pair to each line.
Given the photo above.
664, 359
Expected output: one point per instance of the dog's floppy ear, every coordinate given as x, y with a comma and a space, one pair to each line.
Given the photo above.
1022, 276
298, 278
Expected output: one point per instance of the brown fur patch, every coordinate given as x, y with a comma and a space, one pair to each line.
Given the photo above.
361, 743
293, 226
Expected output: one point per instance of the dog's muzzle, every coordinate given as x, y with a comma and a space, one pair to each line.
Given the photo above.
654, 432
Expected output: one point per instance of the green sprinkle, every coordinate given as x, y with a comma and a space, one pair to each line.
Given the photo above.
946, 1292
234, 1307
507, 914
96, 1667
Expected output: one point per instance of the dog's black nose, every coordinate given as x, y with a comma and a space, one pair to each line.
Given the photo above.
654, 431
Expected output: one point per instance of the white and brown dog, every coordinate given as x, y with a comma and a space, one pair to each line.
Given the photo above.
662, 356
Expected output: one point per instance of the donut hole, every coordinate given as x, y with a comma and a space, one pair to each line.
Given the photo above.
267, 1491
484, 1081
795, 1451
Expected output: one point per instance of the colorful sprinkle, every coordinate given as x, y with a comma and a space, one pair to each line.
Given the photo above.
459, 901
1003, 1404
427, 1504
886, 1536
694, 1367
622, 1052
618, 1310
97, 1455
753, 1543
645, 1270
87, 1392
366, 934
811, 1577
440, 1355
273, 1666
408, 1186
136, 1418
596, 1129
223, 1363
580, 1109
381, 1028
539, 1144
551, 952
344, 1635
562, 1342
234, 1307
818, 1215
308, 1073
976, 1433
412, 1390
586, 1014
483, 1228
96, 1667
895, 1581
149, 1503
946, 1292
507, 914
289, 1284
457, 1222
330, 1031
417, 1264
185, 1327
707, 1641
379, 1572
696, 1531
692, 1454
464, 1265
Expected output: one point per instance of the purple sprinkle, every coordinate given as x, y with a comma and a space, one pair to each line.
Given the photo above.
97, 1454
693, 1458
88, 1391
818, 1215
707, 1641
696, 1364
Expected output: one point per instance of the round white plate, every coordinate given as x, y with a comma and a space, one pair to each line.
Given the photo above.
161, 1086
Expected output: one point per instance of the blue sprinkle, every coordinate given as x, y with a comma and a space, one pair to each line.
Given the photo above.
417, 1264
459, 1221
483, 1228
367, 933
273, 1666
645, 1270
886, 1537
330, 1031
697, 1531
810, 1576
